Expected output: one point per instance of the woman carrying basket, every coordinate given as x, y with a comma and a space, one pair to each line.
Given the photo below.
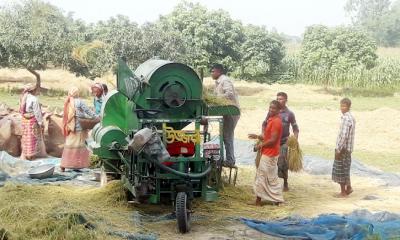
75, 155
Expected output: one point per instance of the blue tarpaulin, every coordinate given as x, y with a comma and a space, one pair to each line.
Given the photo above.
358, 225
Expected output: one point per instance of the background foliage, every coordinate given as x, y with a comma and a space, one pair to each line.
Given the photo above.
36, 35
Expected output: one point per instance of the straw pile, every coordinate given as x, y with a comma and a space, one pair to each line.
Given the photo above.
63, 212
213, 100
295, 155
55, 212
81, 52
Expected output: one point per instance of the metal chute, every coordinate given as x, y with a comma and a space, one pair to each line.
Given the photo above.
127, 82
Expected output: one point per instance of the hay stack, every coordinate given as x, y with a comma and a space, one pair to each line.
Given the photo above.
295, 155
63, 212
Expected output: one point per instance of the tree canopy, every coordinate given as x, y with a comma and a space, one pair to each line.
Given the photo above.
262, 54
337, 49
208, 36
379, 18
35, 35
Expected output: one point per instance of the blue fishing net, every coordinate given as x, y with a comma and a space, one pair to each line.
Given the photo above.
358, 225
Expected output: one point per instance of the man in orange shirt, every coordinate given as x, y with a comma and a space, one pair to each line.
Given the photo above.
267, 186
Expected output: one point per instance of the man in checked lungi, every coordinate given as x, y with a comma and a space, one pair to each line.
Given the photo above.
343, 150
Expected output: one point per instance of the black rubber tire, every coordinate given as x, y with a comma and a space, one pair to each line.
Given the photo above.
182, 212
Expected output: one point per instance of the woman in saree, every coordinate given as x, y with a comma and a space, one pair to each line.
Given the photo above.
32, 144
75, 155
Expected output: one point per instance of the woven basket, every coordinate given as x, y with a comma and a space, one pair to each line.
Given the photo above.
87, 123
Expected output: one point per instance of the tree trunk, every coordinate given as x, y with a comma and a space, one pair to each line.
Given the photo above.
37, 75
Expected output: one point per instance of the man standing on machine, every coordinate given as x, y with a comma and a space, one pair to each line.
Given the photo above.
224, 88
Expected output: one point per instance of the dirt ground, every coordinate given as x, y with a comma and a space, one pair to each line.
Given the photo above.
309, 196
51, 79
318, 116
317, 113
376, 130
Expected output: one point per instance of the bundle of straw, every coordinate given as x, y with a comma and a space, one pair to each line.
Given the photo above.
211, 99
295, 155
81, 52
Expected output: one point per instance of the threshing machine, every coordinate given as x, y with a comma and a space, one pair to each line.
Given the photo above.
154, 138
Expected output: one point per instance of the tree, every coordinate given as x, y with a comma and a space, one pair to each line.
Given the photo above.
262, 54
379, 18
388, 33
336, 50
158, 42
122, 35
92, 59
119, 37
208, 36
105, 42
35, 35
364, 12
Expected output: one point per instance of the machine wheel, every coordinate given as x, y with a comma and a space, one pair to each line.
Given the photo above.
182, 207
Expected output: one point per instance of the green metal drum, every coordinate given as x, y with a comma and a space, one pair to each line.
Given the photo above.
174, 90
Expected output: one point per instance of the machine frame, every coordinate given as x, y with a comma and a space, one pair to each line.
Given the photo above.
161, 96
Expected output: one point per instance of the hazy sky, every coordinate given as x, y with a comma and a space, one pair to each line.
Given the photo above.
288, 16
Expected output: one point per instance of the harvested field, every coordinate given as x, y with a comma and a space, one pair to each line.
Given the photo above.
71, 212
